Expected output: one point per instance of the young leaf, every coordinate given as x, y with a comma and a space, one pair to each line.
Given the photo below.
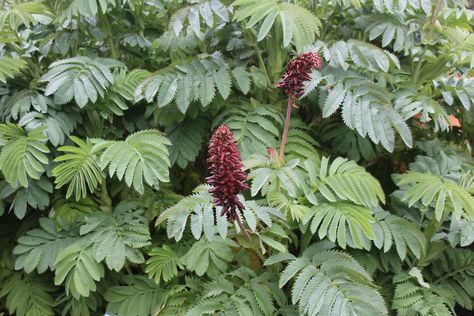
78, 168
162, 264
23, 154
76, 267
28, 295
142, 156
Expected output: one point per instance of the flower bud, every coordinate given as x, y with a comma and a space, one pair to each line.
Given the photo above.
227, 175
297, 72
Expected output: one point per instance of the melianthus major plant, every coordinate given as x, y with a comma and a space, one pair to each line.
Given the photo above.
359, 198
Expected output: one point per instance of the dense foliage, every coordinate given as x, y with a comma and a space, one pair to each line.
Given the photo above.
108, 107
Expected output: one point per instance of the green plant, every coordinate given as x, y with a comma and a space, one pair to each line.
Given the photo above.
354, 120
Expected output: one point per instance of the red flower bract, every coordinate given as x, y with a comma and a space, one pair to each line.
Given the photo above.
298, 71
227, 177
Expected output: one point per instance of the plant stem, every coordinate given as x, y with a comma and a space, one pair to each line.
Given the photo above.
262, 66
127, 268
434, 17
110, 35
287, 125
416, 75
447, 276
433, 226
106, 200
242, 228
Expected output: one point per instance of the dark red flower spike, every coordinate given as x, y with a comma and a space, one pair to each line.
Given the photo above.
298, 71
227, 175
292, 81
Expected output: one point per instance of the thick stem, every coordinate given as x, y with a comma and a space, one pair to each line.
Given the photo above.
434, 225
242, 228
106, 200
447, 276
261, 64
434, 17
416, 75
127, 268
110, 34
431, 228
287, 125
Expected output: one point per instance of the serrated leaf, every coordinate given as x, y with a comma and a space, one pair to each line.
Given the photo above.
334, 100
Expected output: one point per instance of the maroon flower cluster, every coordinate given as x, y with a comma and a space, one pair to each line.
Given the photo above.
227, 177
298, 71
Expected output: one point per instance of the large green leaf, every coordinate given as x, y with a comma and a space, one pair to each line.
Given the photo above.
10, 67
39, 247
139, 296
78, 270
78, 168
28, 295
344, 179
188, 81
442, 195
298, 25
344, 223
331, 283
80, 78
23, 154
163, 264
186, 140
118, 237
36, 195
142, 156
209, 256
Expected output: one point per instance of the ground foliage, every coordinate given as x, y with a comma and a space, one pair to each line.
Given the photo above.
107, 108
